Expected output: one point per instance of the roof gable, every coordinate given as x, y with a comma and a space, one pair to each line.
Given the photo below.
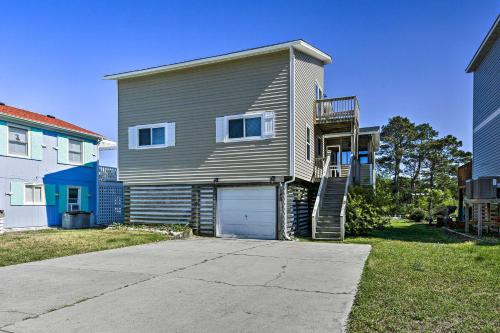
10, 111
485, 46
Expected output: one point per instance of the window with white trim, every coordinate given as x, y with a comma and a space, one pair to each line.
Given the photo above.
34, 194
75, 151
152, 136
74, 199
18, 141
308, 143
245, 127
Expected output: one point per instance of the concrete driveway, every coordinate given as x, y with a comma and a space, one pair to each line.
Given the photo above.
197, 285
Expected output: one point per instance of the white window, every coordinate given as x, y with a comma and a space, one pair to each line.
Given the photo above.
75, 150
18, 141
318, 94
34, 194
308, 143
152, 136
74, 199
245, 127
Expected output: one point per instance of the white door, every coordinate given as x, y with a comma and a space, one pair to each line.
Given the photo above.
246, 212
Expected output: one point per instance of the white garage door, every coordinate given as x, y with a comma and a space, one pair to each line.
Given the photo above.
247, 212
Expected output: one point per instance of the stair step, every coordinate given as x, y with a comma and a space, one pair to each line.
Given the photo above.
328, 235
328, 229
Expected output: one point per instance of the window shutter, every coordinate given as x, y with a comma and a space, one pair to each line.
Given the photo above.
170, 132
36, 144
268, 125
62, 149
220, 129
17, 193
132, 138
50, 194
85, 198
88, 153
4, 141
63, 198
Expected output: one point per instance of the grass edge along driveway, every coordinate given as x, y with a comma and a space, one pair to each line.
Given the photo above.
421, 279
27, 246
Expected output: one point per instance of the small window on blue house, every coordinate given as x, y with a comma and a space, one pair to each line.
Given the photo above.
75, 151
18, 141
74, 199
34, 194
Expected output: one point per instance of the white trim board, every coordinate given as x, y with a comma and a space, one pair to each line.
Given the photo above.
297, 44
487, 120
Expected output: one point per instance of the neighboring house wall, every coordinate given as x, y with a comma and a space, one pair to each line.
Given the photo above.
193, 99
46, 166
486, 119
308, 71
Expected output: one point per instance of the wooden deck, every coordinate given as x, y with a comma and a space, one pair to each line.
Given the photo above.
336, 114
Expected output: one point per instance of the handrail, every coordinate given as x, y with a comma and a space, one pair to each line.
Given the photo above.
321, 190
344, 200
337, 107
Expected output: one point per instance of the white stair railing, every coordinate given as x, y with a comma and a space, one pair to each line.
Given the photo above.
344, 200
321, 191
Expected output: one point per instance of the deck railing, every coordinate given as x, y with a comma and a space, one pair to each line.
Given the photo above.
107, 174
336, 109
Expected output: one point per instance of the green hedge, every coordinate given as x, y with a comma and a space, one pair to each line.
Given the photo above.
367, 210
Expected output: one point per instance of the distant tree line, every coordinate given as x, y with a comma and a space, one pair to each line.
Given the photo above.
417, 168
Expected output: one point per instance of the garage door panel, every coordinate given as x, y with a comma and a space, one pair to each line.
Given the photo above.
247, 212
247, 194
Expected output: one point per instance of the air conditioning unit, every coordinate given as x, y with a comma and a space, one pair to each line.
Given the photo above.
486, 188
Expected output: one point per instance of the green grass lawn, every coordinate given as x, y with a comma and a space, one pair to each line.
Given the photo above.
420, 279
20, 247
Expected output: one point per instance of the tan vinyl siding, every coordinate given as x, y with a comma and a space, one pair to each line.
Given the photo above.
193, 98
308, 70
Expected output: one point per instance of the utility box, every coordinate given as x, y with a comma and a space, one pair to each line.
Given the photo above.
485, 188
77, 220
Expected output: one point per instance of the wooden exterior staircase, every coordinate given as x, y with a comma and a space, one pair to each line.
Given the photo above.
328, 218
328, 223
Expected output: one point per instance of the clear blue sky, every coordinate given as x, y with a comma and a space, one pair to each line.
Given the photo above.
399, 57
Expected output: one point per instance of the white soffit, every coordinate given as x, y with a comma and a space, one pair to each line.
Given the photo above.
299, 45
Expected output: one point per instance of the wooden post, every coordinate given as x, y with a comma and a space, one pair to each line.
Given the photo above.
466, 212
479, 220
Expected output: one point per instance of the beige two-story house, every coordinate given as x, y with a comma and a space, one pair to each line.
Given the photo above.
243, 144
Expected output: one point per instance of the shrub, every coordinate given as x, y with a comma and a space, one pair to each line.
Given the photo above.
417, 215
366, 211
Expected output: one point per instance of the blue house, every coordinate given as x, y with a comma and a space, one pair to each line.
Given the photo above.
482, 192
47, 167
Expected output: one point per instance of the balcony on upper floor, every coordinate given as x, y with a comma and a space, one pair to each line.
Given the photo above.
339, 114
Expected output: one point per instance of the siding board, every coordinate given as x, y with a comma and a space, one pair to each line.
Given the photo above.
308, 70
486, 140
193, 98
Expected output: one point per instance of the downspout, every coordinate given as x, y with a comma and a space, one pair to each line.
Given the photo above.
292, 142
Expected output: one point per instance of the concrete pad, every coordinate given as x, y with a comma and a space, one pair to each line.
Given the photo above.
29, 290
171, 305
210, 285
